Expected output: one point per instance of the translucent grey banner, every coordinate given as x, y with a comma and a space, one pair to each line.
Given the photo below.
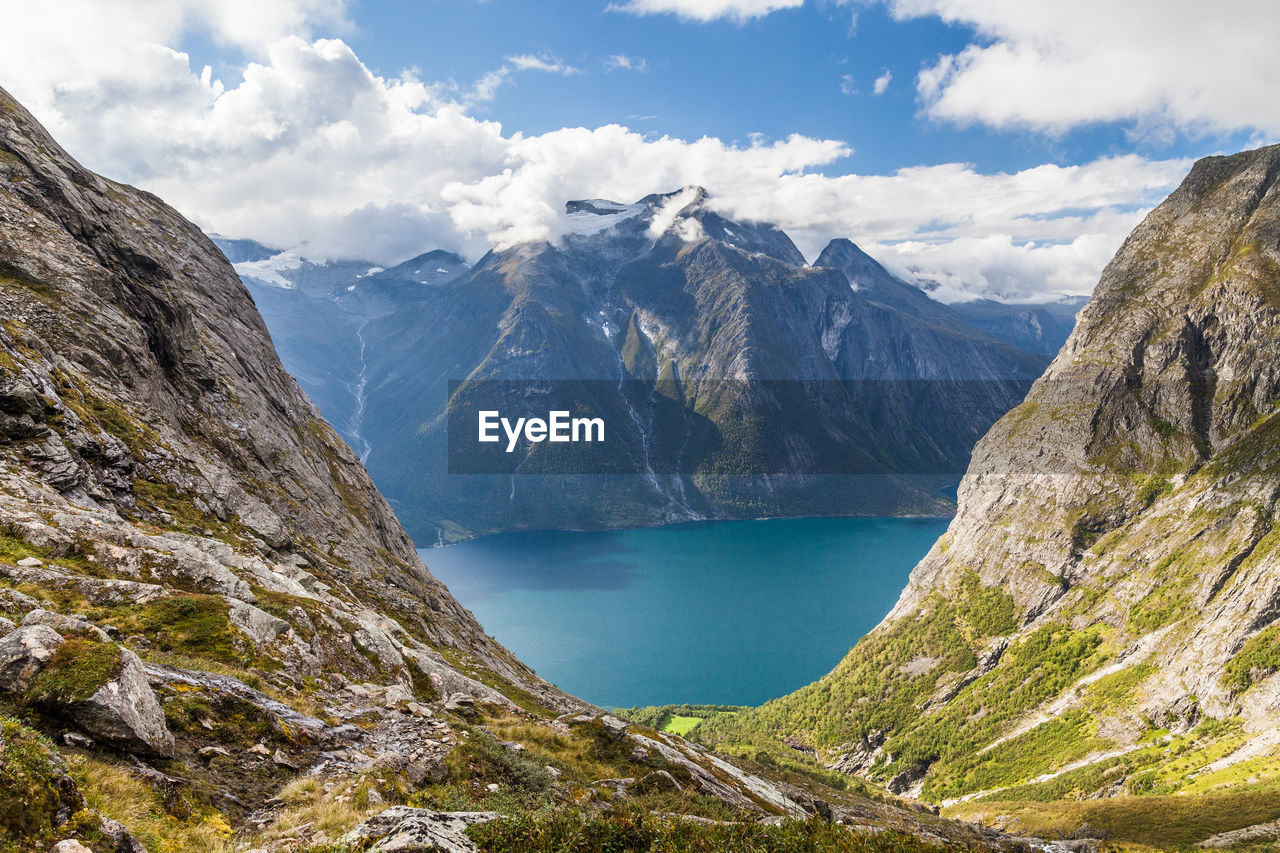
722, 428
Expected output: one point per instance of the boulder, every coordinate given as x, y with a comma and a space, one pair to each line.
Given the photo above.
65, 624
23, 653
409, 830
121, 839
461, 704
613, 727
124, 713
658, 780
260, 626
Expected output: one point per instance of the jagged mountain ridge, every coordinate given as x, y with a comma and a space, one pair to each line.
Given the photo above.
1107, 595
217, 619
726, 316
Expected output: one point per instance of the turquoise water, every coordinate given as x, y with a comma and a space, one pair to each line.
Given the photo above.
725, 612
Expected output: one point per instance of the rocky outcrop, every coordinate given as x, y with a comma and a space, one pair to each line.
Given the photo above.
405, 829
1114, 556
23, 653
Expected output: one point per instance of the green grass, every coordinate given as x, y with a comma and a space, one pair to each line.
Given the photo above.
29, 795
75, 672
1258, 658
636, 829
192, 625
868, 692
1163, 822
678, 725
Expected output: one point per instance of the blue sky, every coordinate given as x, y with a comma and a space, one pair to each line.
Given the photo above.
808, 70
1009, 149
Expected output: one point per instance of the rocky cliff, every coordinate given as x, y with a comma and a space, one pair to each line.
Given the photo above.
214, 633
1101, 617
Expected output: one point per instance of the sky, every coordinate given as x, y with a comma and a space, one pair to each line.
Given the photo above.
981, 148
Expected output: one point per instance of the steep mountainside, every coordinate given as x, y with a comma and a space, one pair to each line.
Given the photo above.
735, 380
215, 635
1037, 327
1103, 608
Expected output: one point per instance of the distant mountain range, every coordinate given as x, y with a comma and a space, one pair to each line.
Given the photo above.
738, 381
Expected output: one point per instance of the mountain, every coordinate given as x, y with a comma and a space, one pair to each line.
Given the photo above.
214, 633
1035, 327
1100, 619
735, 380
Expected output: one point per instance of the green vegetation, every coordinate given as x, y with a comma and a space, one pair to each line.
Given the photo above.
1258, 658
678, 725
165, 820
1165, 822
192, 625
677, 719
1112, 692
634, 828
76, 670
30, 795
869, 692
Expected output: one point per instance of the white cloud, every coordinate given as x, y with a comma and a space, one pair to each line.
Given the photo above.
705, 10
667, 217
308, 149
622, 62
882, 83
847, 85
486, 88
1049, 65
550, 64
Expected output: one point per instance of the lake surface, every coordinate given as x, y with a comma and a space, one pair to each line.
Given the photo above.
724, 612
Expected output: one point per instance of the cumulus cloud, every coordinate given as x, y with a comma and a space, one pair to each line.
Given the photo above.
1048, 65
705, 10
306, 148
882, 83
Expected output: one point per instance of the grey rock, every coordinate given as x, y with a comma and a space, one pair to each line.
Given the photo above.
229, 440
6, 626
261, 627
70, 845
119, 837
613, 726
124, 713
75, 739
401, 829
65, 624
30, 562
461, 704
1257, 834
97, 590
23, 653
657, 781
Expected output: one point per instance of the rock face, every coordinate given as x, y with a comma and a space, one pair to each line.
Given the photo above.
1115, 554
734, 379
152, 443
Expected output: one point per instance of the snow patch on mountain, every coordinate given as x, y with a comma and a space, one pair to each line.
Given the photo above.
270, 271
